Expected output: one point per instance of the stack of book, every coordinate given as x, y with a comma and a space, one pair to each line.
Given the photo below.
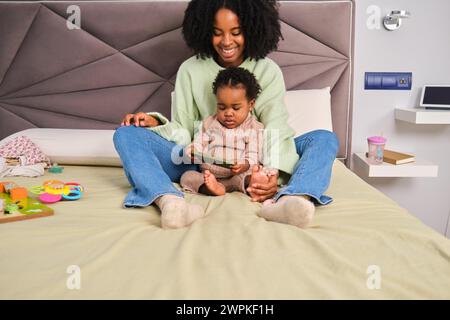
395, 157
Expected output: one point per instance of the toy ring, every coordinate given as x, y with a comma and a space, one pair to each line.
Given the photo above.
49, 198
74, 184
52, 182
57, 189
74, 194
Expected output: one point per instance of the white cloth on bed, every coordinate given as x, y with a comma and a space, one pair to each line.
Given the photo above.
34, 170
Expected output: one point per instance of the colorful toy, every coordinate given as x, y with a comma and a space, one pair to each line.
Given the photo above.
18, 194
15, 204
7, 186
54, 190
55, 168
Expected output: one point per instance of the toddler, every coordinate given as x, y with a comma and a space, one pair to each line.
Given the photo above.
232, 135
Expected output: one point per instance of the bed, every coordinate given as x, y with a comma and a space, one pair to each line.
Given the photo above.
362, 246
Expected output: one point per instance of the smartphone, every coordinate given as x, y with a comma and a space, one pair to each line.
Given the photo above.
208, 159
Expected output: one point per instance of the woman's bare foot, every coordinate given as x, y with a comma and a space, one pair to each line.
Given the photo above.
213, 187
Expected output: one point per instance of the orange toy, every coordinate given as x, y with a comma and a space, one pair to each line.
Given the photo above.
7, 186
3, 185
18, 194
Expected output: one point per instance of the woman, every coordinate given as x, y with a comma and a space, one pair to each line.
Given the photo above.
226, 33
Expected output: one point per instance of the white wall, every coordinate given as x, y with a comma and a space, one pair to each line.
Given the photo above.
420, 46
448, 226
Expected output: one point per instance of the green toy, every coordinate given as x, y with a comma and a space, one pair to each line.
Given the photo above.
55, 168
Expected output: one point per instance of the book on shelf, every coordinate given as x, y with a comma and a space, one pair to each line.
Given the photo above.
395, 157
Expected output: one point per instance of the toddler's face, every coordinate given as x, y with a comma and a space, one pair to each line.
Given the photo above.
232, 106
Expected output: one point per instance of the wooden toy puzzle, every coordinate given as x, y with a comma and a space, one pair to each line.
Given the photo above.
15, 205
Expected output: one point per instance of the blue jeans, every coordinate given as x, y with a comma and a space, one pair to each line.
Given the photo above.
148, 165
317, 150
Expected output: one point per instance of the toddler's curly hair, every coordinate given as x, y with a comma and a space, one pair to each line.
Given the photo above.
238, 77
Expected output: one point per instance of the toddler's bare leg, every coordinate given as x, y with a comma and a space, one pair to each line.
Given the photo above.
191, 181
234, 183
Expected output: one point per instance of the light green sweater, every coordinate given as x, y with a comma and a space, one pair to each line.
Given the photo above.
194, 101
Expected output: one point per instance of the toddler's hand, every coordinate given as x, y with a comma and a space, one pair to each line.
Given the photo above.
189, 153
263, 183
240, 168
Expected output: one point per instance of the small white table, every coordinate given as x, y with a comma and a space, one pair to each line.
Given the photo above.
422, 116
419, 168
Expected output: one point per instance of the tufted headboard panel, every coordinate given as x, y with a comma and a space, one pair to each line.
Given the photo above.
125, 57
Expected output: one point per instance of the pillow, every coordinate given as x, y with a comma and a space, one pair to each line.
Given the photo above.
73, 146
309, 110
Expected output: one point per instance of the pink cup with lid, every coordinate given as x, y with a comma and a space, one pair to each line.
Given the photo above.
376, 149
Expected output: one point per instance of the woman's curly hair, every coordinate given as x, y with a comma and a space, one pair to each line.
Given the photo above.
259, 20
236, 77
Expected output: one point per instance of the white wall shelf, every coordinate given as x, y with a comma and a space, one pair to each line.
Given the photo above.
422, 116
419, 168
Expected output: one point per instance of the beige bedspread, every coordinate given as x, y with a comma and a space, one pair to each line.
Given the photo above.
230, 254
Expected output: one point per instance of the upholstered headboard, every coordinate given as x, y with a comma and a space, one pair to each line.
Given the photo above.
125, 57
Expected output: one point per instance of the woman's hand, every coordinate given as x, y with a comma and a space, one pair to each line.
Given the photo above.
140, 119
263, 189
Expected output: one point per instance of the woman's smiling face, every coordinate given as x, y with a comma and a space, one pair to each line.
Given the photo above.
228, 38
